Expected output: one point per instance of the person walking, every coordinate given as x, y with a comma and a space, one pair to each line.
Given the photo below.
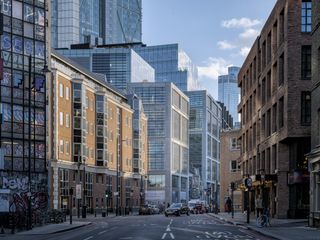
228, 205
258, 203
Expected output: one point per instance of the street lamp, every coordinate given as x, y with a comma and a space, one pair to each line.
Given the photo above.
118, 192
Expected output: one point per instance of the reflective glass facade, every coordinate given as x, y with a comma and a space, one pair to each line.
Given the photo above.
229, 93
171, 64
204, 139
95, 22
166, 108
123, 21
23, 100
119, 65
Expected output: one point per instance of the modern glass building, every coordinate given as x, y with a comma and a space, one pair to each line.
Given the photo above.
123, 21
204, 144
23, 165
168, 170
95, 22
171, 64
229, 92
120, 65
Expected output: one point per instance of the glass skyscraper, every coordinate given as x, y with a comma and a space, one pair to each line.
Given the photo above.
229, 92
171, 64
204, 145
95, 22
23, 163
120, 65
166, 108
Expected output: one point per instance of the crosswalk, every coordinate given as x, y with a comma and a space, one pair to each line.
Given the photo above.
223, 235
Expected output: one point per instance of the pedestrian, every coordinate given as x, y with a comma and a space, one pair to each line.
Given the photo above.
258, 203
228, 204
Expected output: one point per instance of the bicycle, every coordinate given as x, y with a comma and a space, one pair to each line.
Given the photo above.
264, 219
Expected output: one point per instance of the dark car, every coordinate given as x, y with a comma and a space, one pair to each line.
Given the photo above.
177, 209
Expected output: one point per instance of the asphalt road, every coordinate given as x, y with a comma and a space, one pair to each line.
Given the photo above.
152, 227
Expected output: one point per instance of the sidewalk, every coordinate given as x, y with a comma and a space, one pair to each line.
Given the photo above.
55, 228
282, 229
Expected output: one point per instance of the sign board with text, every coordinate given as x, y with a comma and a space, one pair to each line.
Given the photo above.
78, 191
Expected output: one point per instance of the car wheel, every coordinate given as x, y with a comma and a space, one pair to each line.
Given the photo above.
178, 213
166, 215
187, 213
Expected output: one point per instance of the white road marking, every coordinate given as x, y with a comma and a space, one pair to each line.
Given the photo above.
207, 236
88, 238
164, 235
168, 229
171, 235
102, 232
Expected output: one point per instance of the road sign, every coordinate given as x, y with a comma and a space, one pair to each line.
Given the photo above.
248, 182
115, 193
78, 191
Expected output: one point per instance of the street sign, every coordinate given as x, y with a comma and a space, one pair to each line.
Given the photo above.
115, 193
248, 182
78, 191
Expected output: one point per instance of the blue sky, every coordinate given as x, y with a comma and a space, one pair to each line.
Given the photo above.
214, 33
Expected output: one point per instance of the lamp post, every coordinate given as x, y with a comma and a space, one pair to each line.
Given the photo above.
118, 182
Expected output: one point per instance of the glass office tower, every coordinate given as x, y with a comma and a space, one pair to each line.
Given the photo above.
120, 65
123, 21
229, 92
171, 64
166, 108
204, 141
95, 22
23, 163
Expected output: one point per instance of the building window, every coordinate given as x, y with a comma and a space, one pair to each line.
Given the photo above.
61, 118
306, 62
234, 167
281, 112
67, 120
67, 148
305, 108
61, 90
233, 144
306, 16
67, 93
61, 147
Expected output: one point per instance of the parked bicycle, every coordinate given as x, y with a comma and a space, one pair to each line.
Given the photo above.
264, 219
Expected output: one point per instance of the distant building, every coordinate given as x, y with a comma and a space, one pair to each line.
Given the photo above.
229, 92
230, 169
314, 155
275, 110
166, 108
95, 22
204, 145
226, 118
120, 64
171, 64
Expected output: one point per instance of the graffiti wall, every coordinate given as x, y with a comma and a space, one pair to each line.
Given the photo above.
17, 184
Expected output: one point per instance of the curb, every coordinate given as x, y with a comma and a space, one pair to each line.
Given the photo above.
72, 228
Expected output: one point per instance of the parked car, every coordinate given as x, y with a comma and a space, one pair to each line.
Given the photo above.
192, 206
154, 209
177, 209
145, 210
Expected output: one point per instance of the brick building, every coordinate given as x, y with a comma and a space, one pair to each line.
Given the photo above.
230, 168
90, 128
314, 155
275, 108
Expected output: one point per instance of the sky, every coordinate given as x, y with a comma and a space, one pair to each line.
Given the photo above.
214, 33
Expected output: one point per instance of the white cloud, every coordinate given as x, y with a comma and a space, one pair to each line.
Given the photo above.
209, 72
244, 51
213, 68
240, 23
225, 45
249, 33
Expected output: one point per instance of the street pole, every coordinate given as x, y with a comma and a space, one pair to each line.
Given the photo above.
117, 180
70, 203
248, 206
232, 209
29, 221
84, 207
78, 180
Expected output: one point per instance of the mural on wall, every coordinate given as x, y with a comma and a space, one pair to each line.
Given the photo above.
18, 186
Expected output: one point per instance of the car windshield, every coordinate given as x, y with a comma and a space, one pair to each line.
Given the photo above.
175, 205
192, 204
